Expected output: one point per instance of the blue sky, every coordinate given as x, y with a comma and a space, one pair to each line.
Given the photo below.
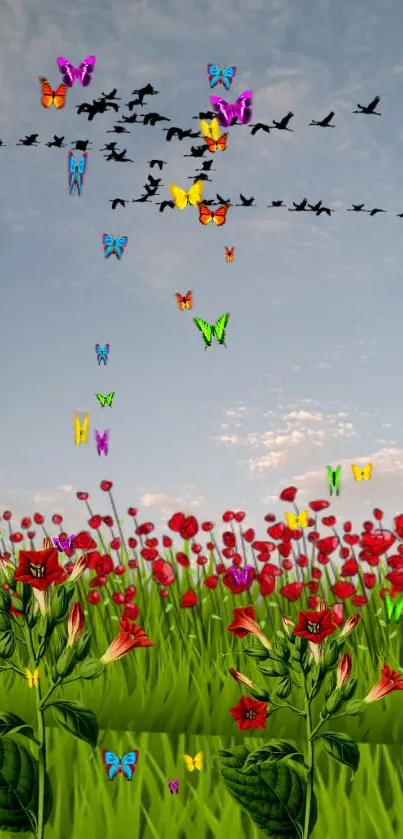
312, 372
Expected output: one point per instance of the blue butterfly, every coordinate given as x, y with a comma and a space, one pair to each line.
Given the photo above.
102, 353
218, 76
113, 764
76, 172
114, 245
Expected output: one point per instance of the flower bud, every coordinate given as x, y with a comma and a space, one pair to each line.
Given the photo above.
75, 625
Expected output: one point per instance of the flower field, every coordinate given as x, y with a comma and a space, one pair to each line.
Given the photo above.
210, 639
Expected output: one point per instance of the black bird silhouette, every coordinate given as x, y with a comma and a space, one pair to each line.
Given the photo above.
97, 106
283, 124
29, 140
116, 201
151, 190
125, 119
153, 181
164, 204
369, 109
180, 133
299, 208
221, 200
324, 210
399, 215
246, 202
152, 119
356, 208
109, 147
56, 143
144, 199
2, 144
315, 207
81, 145
201, 177
111, 95
276, 204
205, 115
325, 122
206, 166
158, 163
375, 211
147, 90
119, 157
260, 126
118, 129
196, 151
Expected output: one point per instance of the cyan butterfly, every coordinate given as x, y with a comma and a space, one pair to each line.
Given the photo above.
114, 765
114, 244
76, 172
223, 76
102, 352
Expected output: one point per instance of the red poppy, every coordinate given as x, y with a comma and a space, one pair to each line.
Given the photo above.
164, 592
151, 543
287, 565
115, 544
149, 554
270, 517
95, 522
277, 530
133, 564
343, 589
196, 548
31, 534
313, 586
228, 516
249, 535
338, 614
167, 541
104, 564
284, 549
188, 600
39, 518
16, 537
370, 580
94, 598
328, 545
313, 602
182, 559
7, 515
249, 713
145, 528
132, 511
220, 568
212, 581
396, 579
106, 486
118, 597
92, 558
378, 541
289, 494
239, 516
132, 542
39, 569
316, 573
119, 570
131, 611
350, 568
359, 600
84, 541
175, 523
163, 572
57, 518
395, 561
329, 521
189, 528
351, 539
237, 585
320, 504
267, 585
228, 553
82, 496
108, 520
26, 523
271, 570
292, 591
207, 526
398, 520
302, 561
315, 626
347, 526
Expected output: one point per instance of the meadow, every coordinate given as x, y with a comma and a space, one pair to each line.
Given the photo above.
174, 698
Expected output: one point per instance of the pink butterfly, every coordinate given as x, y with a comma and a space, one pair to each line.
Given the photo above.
102, 441
82, 73
240, 110
173, 785
242, 576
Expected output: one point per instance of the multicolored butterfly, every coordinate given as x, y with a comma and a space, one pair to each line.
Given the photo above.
184, 301
242, 576
33, 678
219, 216
224, 76
182, 198
82, 73
52, 97
64, 544
102, 353
211, 133
362, 473
241, 109
217, 330
105, 400
81, 431
193, 763
302, 520
393, 610
125, 766
173, 785
102, 441
333, 476
76, 172
114, 244
229, 254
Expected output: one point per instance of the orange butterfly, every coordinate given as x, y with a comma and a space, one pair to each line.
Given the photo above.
218, 216
216, 145
184, 302
49, 96
229, 254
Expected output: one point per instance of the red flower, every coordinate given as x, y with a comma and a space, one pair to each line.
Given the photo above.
163, 572
249, 713
16, 537
201, 560
82, 496
131, 611
57, 518
284, 549
395, 561
351, 539
398, 520
329, 521
175, 523
188, 600
94, 597
270, 517
229, 539
108, 520
239, 516
267, 584
328, 545
39, 569
26, 523
118, 597
132, 542
338, 614
31, 534
144, 529
289, 494
390, 680
196, 548
377, 514
7, 515
315, 626
228, 516
396, 578
127, 639
183, 560
115, 544
132, 511
239, 584
119, 570
370, 580
350, 568
189, 528
38, 518
167, 541
347, 527
343, 589
149, 554
207, 526
271, 569
249, 535
359, 600
277, 531
106, 486
95, 522
84, 541
320, 504
302, 561
212, 581
292, 591
378, 542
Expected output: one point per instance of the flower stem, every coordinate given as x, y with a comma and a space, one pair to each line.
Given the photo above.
309, 761
41, 737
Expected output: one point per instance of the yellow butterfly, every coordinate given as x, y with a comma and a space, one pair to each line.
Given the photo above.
193, 763
183, 198
81, 431
362, 473
297, 521
211, 130
33, 678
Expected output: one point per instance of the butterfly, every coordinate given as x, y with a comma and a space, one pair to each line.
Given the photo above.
105, 400
184, 302
33, 678
102, 353
193, 763
112, 244
173, 785
241, 576
218, 330
211, 133
76, 172
102, 441
114, 765
183, 198
229, 254
52, 97
333, 476
81, 431
64, 544
219, 216
224, 76
241, 109
362, 474
393, 610
82, 73
297, 521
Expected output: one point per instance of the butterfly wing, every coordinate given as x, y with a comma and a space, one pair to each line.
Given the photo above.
212, 145
229, 254
29, 677
119, 245
389, 606
223, 109
59, 96
85, 70
81, 431
303, 518
189, 300
109, 398
367, 471
206, 330
291, 520
179, 196
108, 244
356, 472
112, 763
222, 142
220, 216
189, 763
67, 70
129, 762
227, 76
82, 163
398, 610
220, 327
205, 128
205, 214
198, 761
242, 108
36, 678
215, 129
46, 91
181, 301
214, 74
101, 399
195, 194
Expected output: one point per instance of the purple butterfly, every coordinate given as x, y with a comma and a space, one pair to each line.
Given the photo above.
241, 109
82, 73
173, 785
242, 576
64, 544
102, 441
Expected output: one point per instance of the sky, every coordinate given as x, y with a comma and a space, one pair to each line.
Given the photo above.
312, 370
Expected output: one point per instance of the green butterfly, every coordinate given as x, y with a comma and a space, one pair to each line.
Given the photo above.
334, 476
218, 330
105, 400
393, 609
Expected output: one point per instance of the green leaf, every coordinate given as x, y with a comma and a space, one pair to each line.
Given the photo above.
279, 750
91, 669
284, 686
66, 662
262, 624
114, 618
280, 634
106, 601
272, 604
79, 721
258, 653
5, 600
341, 748
362, 647
5, 622
7, 645
168, 607
392, 635
216, 617
192, 636
12, 723
19, 788
60, 602
272, 793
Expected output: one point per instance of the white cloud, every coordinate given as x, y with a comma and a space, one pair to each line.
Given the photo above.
167, 504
